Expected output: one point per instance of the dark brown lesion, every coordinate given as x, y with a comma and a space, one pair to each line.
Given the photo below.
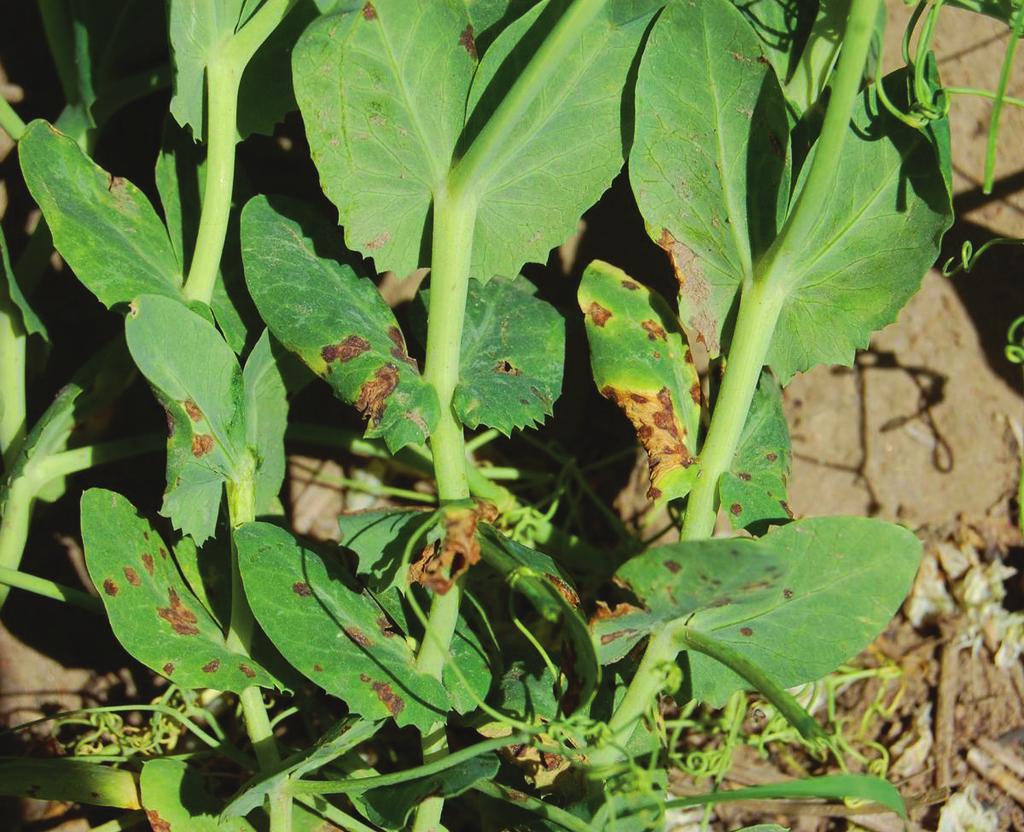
506, 368
202, 444
373, 395
181, 618
192, 409
440, 565
369, 12
468, 42
352, 347
654, 330
392, 701
598, 314
400, 351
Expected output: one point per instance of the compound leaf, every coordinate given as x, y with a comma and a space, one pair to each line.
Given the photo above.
513, 354
152, 612
878, 232
335, 321
753, 491
641, 361
796, 603
266, 418
332, 633
173, 794
201, 388
710, 163
102, 225
383, 95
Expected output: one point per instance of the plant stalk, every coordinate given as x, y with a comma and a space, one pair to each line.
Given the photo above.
10, 121
50, 589
13, 340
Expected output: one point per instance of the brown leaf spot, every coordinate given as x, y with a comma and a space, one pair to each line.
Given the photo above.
608, 638
505, 368
743, 475
193, 411
180, 617
392, 701
724, 601
659, 430
163, 552
369, 12
170, 422
654, 330
379, 241
319, 668
302, 588
157, 823
399, 350
672, 566
247, 671
169, 668
695, 393
364, 677
694, 289
116, 183
440, 566
346, 350
358, 636
736, 509
739, 56
603, 612
566, 591
787, 594
211, 666
598, 314
746, 631
147, 562
202, 444
631, 285
385, 627
132, 576
110, 587
373, 395
468, 42
771, 456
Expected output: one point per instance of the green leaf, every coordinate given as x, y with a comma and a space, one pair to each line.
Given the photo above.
331, 632
513, 353
710, 163
335, 321
390, 806
490, 17
796, 603
152, 612
201, 388
67, 779
343, 736
782, 28
641, 361
538, 579
878, 233
174, 794
102, 225
753, 491
29, 321
198, 30
470, 655
266, 412
379, 539
537, 189
383, 96
384, 131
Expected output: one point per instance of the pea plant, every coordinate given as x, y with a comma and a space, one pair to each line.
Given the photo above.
465, 657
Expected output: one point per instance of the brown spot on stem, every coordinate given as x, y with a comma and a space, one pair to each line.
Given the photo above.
110, 587
351, 347
202, 444
181, 618
373, 395
598, 314
132, 576
654, 330
193, 411
211, 666
468, 42
369, 12
302, 588
247, 671
147, 562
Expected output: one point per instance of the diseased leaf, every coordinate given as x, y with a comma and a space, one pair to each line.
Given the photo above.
102, 225
201, 388
796, 603
753, 492
569, 144
173, 794
28, 319
63, 778
390, 806
153, 614
641, 361
879, 231
266, 411
513, 354
710, 166
782, 28
379, 539
383, 96
490, 17
331, 632
384, 130
335, 321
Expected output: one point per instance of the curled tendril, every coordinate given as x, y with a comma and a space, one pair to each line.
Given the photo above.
1015, 338
969, 257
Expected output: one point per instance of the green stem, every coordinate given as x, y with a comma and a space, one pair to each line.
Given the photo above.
49, 589
223, 76
13, 341
241, 628
10, 120
816, 61
61, 40
997, 106
480, 160
89, 456
521, 800
989, 94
